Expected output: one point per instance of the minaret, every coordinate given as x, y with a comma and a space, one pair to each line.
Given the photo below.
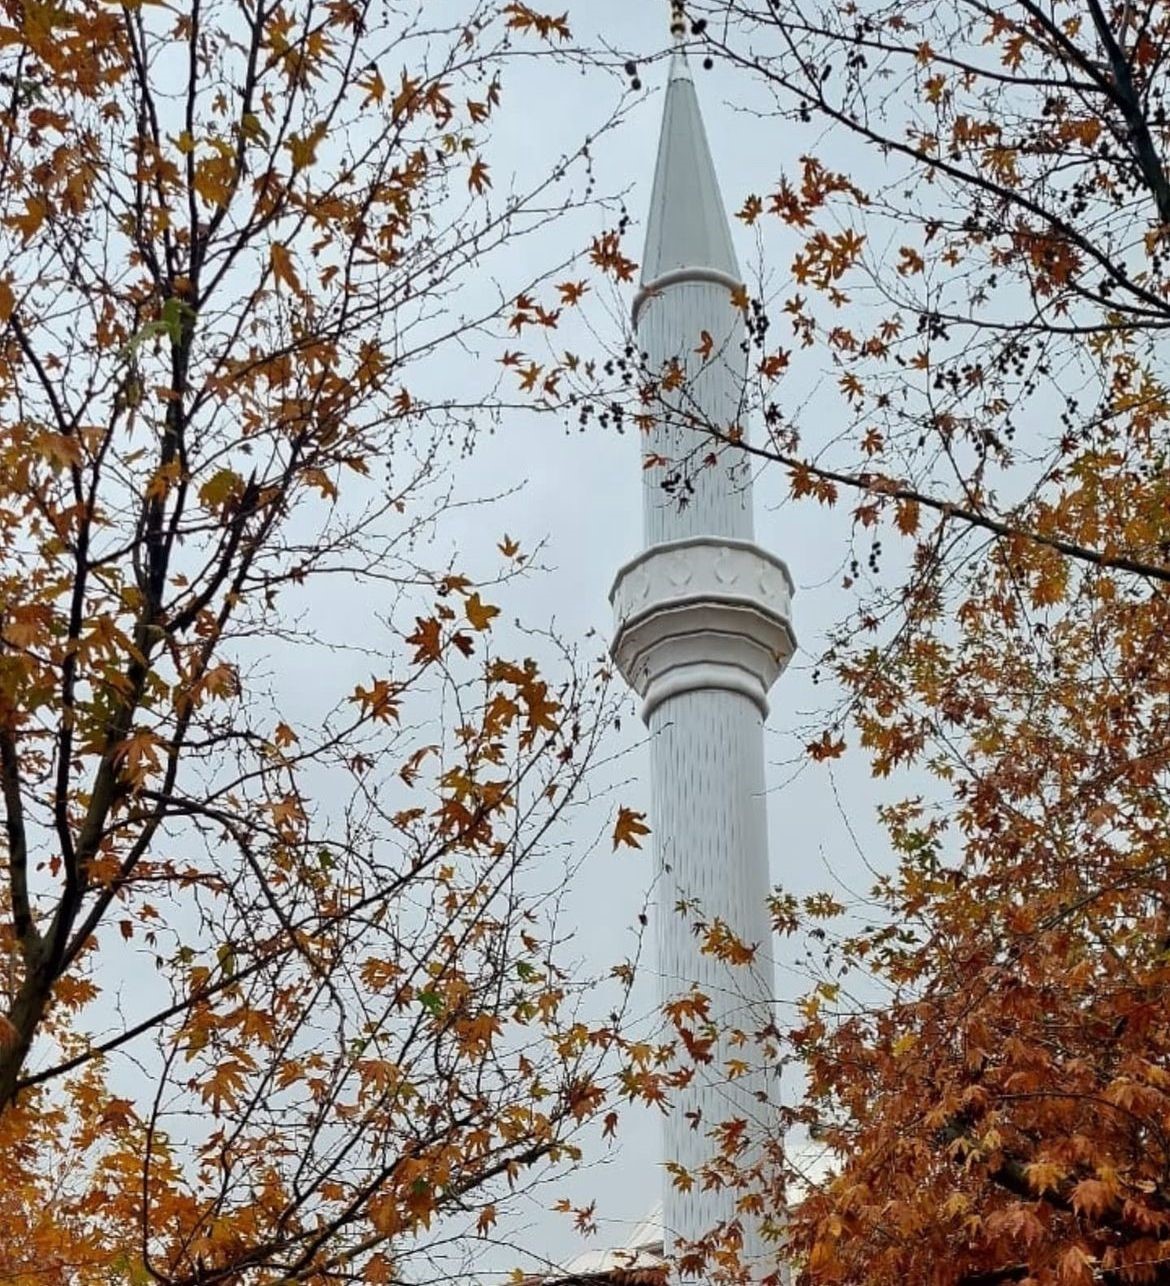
702, 634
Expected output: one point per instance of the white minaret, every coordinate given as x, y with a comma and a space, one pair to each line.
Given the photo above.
702, 634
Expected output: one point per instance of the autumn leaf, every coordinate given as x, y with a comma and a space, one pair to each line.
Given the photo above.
523, 18
628, 827
380, 701
303, 150
427, 639
571, 292
774, 364
908, 516
910, 261
480, 614
477, 177
282, 267
752, 208
374, 86
28, 223
223, 485
827, 746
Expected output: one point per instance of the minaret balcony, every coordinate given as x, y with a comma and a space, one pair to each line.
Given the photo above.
703, 613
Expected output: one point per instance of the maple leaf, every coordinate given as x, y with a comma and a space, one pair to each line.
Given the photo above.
374, 86
772, 365
572, 291
628, 827
139, 755
480, 614
380, 701
524, 18
282, 267
477, 177
605, 253
303, 150
427, 638
908, 516
509, 547
28, 223
751, 210
827, 746
222, 486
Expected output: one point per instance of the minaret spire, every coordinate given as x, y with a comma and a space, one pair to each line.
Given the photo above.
702, 634
688, 225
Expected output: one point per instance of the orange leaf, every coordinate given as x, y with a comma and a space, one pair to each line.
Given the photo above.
427, 639
479, 613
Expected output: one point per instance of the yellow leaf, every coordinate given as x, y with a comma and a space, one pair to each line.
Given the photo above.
304, 150
219, 488
252, 129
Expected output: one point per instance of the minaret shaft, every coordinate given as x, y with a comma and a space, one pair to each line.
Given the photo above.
711, 847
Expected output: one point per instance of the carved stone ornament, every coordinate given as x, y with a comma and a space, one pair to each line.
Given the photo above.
725, 623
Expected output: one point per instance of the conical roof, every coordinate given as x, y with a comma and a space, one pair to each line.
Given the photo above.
688, 225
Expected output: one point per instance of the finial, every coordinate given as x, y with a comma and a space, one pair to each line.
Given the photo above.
678, 21
679, 70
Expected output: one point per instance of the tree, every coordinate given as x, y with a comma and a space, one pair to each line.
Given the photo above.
1001, 1110
281, 985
